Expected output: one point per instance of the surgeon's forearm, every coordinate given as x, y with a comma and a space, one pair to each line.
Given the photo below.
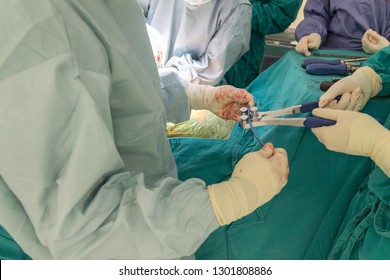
381, 154
378, 63
316, 19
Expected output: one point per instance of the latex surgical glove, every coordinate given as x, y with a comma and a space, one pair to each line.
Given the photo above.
308, 42
256, 179
355, 90
356, 134
224, 101
373, 42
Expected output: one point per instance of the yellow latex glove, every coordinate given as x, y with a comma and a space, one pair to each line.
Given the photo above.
373, 42
355, 134
308, 42
355, 90
256, 179
224, 101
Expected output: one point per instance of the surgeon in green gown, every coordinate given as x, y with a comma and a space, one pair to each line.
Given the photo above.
268, 17
365, 230
86, 170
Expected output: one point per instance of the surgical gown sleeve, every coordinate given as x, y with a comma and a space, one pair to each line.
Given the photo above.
145, 4
380, 63
84, 156
228, 44
316, 19
273, 16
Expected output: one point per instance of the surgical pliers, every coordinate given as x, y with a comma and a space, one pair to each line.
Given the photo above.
318, 66
308, 61
251, 117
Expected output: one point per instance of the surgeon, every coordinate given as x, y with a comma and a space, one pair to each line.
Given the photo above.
365, 232
268, 17
334, 24
86, 168
199, 39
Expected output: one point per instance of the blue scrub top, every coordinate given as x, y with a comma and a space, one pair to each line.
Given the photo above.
341, 24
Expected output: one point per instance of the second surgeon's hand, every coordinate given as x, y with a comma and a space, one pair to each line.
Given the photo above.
373, 42
256, 179
355, 90
224, 101
354, 133
308, 42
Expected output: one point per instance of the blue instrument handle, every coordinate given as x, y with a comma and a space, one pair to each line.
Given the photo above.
308, 61
326, 69
313, 122
307, 107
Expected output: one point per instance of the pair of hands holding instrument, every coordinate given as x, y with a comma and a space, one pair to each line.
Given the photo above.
354, 133
258, 176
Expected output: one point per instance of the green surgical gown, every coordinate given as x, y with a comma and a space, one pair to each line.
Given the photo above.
86, 167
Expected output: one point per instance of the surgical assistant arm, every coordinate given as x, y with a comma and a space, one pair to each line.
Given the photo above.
356, 134
314, 26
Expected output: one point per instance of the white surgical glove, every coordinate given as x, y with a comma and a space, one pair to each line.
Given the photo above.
224, 101
256, 179
308, 42
356, 134
355, 89
373, 42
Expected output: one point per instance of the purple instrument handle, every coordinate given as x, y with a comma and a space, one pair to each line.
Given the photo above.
308, 61
307, 107
313, 122
326, 69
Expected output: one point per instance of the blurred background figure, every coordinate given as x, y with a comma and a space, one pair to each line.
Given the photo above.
197, 42
268, 17
334, 24
200, 40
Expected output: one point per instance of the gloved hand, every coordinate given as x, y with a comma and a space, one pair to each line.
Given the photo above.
256, 179
356, 90
373, 42
308, 42
224, 101
355, 134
